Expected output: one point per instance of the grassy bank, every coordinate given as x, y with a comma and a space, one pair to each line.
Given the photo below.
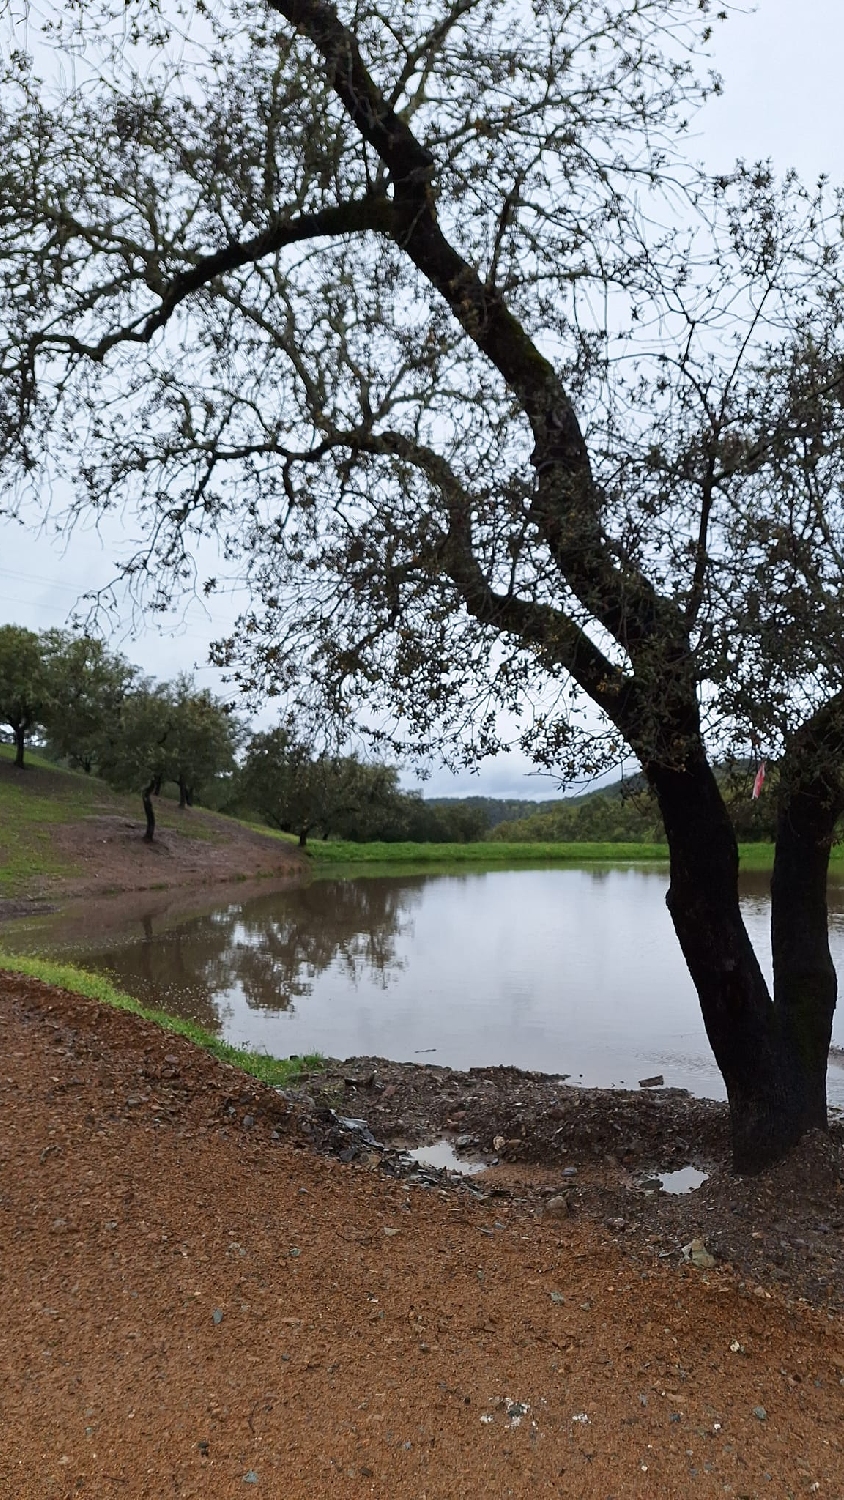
493, 854
336, 852
277, 1071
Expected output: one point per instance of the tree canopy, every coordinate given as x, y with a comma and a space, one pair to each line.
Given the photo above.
86, 686
497, 403
23, 684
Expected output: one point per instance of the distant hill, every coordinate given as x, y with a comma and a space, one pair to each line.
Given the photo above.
495, 809
623, 812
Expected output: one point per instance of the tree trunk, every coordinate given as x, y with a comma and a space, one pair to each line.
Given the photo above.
303, 837
805, 983
19, 746
183, 792
811, 800
770, 1104
146, 798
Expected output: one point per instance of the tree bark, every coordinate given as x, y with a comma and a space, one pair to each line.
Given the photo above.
149, 810
183, 792
811, 800
19, 746
805, 983
770, 1106
303, 837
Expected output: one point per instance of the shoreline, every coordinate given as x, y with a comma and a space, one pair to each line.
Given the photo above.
537, 1137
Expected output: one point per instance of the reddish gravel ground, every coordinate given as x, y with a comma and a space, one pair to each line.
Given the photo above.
194, 1303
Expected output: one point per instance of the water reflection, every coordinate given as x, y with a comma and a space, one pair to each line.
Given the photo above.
271, 948
566, 970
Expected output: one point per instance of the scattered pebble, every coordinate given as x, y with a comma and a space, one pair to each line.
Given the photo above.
558, 1207
697, 1253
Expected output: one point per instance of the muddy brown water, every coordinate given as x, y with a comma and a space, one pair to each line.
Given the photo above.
567, 970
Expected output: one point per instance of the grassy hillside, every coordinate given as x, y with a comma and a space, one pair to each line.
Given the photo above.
55, 825
32, 803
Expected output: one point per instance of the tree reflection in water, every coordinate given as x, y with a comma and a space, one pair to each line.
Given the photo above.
271, 947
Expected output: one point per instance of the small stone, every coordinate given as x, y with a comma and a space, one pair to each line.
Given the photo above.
294, 1252
248, 1121
217, 1316
250, 1477
760, 1412
133, 1101
557, 1297
697, 1253
498, 1143
464, 1140
391, 1232
569, 1171
558, 1206
657, 1082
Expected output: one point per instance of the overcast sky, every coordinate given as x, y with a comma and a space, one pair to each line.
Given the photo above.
783, 98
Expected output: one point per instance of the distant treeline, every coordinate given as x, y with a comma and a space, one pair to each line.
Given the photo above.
88, 707
627, 812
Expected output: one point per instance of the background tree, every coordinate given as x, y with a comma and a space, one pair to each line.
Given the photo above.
85, 688
419, 311
167, 732
298, 791
23, 684
135, 755
201, 740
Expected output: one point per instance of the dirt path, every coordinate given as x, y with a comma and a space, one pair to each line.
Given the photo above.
196, 1304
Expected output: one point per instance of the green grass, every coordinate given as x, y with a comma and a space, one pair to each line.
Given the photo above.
28, 813
337, 851
36, 800
277, 1071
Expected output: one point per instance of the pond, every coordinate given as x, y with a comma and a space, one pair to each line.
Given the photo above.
566, 970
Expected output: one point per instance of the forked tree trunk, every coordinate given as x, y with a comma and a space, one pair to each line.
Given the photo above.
772, 1057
